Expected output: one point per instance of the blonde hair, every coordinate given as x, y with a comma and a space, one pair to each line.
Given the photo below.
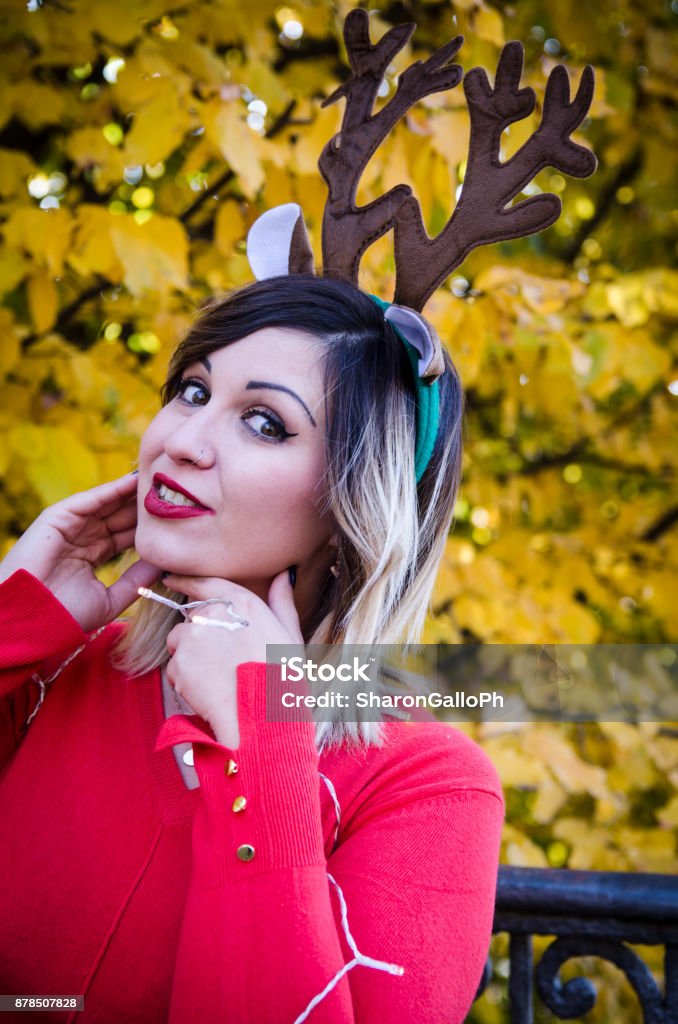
393, 532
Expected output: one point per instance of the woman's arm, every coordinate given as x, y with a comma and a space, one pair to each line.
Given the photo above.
34, 628
50, 595
413, 878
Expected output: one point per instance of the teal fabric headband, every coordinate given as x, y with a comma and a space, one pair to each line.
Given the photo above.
427, 397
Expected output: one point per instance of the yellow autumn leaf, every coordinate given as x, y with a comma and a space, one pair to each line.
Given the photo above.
634, 771
596, 852
229, 227
309, 144
56, 462
278, 189
462, 330
540, 294
421, 174
515, 767
488, 25
203, 64
668, 815
13, 268
42, 299
44, 234
158, 127
395, 170
154, 254
274, 152
611, 808
38, 105
5, 455
263, 82
573, 774
661, 291
448, 585
648, 850
484, 616
227, 129
137, 81
550, 798
621, 354
208, 264
664, 752
27, 440
16, 402
92, 250
450, 135
310, 191
15, 169
114, 21
573, 623
10, 348
89, 149
441, 629
520, 851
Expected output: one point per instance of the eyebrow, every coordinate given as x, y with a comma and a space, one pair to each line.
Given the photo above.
255, 385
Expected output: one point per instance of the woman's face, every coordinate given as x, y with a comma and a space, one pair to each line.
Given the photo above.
256, 411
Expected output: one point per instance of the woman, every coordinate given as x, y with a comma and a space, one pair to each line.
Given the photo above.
342, 873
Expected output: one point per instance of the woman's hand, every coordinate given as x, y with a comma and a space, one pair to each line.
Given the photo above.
67, 542
204, 659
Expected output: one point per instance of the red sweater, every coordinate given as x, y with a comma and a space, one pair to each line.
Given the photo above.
120, 883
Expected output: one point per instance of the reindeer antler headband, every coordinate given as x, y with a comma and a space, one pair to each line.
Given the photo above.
278, 242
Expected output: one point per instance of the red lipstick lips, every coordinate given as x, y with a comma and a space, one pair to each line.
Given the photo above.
154, 504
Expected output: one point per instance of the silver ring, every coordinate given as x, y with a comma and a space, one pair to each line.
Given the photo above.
201, 620
237, 621
191, 605
195, 462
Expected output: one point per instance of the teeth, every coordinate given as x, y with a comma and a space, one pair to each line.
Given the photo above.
174, 497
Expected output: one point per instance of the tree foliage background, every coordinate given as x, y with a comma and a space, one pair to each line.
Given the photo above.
140, 140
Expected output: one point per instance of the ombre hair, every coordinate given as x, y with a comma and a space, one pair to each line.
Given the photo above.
392, 531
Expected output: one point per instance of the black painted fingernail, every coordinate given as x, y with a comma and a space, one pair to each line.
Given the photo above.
134, 472
293, 575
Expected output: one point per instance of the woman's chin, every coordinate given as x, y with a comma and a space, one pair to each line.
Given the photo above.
160, 554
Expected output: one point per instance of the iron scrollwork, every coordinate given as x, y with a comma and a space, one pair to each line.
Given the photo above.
589, 913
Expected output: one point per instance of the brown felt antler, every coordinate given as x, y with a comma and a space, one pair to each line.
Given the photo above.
482, 214
349, 230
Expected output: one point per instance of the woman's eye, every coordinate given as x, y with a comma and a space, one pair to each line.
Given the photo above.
266, 425
187, 389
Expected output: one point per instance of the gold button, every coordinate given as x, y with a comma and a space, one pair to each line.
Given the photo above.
231, 768
245, 852
239, 804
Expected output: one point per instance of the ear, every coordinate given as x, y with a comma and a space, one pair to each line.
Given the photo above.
335, 540
278, 243
423, 336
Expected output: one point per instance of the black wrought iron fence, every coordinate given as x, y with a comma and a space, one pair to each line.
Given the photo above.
588, 913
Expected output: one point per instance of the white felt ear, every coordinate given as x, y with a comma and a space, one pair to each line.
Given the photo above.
269, 241
415, 330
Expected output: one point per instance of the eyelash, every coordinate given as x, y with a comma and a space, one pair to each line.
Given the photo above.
268, 414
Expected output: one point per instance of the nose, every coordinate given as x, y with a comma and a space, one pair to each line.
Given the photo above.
190, 445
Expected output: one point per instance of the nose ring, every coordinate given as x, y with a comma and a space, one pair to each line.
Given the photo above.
202, 450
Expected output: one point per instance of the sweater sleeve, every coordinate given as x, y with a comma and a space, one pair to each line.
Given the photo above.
34, 628
394, 925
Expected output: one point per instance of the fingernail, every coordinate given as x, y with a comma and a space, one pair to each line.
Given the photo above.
293, 575
163, 575
134, 472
